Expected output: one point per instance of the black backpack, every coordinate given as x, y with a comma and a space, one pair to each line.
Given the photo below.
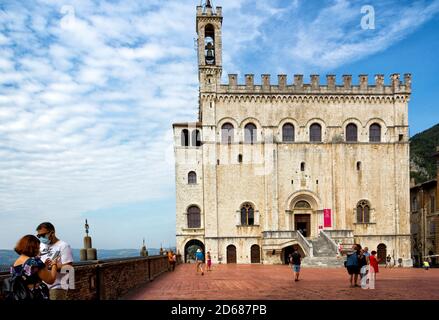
14, 289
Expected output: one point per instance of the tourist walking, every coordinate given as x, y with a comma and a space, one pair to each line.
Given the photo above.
295, 261
50, 249
29, 271
426, 264
388, 260
366, 254
199, 260
172, 259
373, 269
362, 263
209, 261
352, 266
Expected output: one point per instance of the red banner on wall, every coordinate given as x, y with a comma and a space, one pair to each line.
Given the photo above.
327, 218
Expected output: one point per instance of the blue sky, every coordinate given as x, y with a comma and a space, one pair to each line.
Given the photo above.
89, 90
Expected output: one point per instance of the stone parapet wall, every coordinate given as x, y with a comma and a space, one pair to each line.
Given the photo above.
111, 279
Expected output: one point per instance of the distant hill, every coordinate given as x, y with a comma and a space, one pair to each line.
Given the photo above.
7, 257
422, 147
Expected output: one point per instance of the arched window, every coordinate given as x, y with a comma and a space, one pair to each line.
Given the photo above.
247, 214
302, 205
227, 133
363, 212
250, 133
351, 133
302, 166
375, 133
192, 178
315, 133
288, 132
193, 217
184, 138
196, 138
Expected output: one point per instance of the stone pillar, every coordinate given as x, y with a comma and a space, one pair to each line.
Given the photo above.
143, 251
87, 253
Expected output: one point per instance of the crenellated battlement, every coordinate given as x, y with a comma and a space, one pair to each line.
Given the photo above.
395, 85
208, 11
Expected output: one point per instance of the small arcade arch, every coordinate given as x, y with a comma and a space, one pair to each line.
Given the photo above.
190, 249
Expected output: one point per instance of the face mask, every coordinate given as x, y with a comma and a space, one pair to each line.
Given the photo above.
45, 240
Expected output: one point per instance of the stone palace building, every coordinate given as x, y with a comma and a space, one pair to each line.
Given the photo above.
268, 166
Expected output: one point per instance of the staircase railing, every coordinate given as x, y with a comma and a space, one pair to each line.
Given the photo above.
330, 240
306, 245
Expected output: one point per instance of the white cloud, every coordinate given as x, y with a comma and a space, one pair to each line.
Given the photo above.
86, 108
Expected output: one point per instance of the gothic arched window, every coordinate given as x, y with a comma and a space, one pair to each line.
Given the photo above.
351, 133
184, 138
250, 133
193, 217
192, 177
227, 133
375, 133
288, 132
363, 211
315, 133
247, 214
196, 138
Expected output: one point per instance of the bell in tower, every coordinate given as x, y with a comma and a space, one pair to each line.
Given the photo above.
210, 56
209, 40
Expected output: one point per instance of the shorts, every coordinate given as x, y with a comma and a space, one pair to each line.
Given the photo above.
353, 270
296, 267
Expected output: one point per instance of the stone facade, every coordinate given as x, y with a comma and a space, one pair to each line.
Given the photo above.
257, 192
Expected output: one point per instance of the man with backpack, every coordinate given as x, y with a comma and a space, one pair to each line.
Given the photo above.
295, 262
199, 260
353, 266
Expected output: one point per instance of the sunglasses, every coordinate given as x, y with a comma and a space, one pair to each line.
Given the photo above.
41, 235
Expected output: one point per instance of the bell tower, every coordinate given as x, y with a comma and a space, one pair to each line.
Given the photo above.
209, 46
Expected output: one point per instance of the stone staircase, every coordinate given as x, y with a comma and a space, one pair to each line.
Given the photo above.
323, 262
324, 253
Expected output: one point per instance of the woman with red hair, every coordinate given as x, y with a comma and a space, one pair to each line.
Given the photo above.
31, 270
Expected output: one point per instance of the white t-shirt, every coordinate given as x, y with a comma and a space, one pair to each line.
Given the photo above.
66, 256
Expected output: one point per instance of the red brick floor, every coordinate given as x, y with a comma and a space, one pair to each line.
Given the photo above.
275, 282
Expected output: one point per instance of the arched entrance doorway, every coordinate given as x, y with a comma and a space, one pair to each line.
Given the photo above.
231, 254
191, 248
382, 253
289, 250
304, 216
255, 254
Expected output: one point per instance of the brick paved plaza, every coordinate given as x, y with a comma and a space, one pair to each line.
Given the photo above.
275, 282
